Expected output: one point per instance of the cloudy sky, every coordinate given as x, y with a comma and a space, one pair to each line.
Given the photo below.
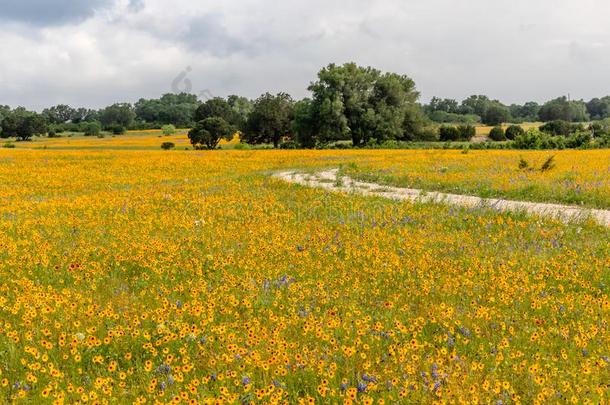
95, 52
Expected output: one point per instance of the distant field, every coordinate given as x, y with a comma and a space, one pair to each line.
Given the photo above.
483, 130
135, 140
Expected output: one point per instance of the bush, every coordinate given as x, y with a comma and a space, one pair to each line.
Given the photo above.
8, 145
497, 134
289, 145
51, 134
242, 146
168, 145
168, 130
117, 129
557, 127
467, 132
535, 139
428, 134
449, 133
514, 131
91, 128
579, 140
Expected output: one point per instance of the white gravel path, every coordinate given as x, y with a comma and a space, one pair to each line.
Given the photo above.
330, 180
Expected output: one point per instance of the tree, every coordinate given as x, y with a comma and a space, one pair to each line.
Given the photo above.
92, 128
215, 107
563, 109
358, 103
527, 112
23, 124
241, 107
495, 114
304, 124
475, 105
208, 133
174, 109
270, 119
59, 114
599, 108
120, 114
443, 104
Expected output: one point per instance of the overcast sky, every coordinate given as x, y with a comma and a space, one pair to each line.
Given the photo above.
96, 52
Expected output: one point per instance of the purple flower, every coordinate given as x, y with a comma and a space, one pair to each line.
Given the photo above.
245, 380
362, 386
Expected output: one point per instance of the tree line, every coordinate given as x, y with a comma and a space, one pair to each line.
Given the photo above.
348, 103
481, 109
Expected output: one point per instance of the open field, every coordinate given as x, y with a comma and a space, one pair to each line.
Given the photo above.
484, 130
130, 274
132, 140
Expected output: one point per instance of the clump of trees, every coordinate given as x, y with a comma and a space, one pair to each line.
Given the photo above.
21, 123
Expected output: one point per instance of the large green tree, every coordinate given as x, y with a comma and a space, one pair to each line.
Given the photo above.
563, 109
361, 103
174, 109
120, 114
23, 124
207, 133
270, 119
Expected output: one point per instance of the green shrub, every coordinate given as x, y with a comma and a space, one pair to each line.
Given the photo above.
242, 146
448, 133
513, 131
118, 129
168, 130
497, 134
92, 128
168, 145
535, 139
467, 132
557, 127
8, 145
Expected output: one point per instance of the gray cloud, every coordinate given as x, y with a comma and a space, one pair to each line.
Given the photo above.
514, 50
46, 13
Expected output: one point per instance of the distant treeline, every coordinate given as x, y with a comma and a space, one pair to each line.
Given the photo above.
348, 103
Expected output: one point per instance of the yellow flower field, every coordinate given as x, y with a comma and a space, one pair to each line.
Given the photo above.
578, 177
133, 276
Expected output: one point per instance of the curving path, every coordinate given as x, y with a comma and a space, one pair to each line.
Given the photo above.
330, 180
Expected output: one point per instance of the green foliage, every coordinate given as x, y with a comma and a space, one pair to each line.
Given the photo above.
206, 134
467, 132
174, 109
270, 119
358, 103
558, 127
535, 139
514, 131
447, 118
9, 145
497, 134
93, 128
117, 115
449, 133
23, 124
215, 107
168, 145
563, 109
168, 130
495, 114
117, 129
